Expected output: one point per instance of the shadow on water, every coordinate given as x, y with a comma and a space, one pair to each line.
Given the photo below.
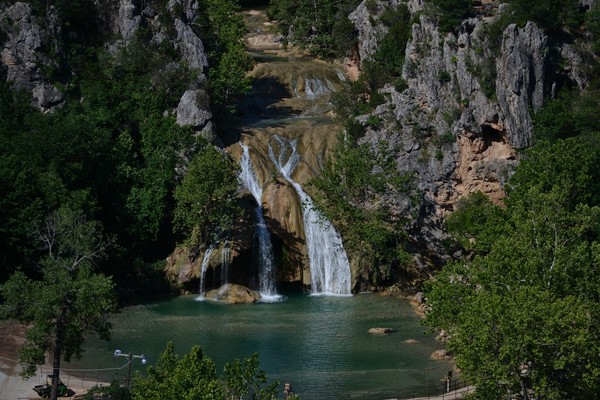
264, 101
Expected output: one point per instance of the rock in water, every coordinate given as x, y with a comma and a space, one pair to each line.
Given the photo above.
380, 331
233, 294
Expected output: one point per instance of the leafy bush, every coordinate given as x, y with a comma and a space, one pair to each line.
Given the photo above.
592, 22
349, 192
444, 76
194, 376
452, 12
550, 15
318, 25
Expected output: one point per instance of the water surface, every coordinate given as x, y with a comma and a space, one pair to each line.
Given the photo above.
319, 344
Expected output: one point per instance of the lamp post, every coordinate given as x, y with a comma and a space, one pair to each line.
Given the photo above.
130, 357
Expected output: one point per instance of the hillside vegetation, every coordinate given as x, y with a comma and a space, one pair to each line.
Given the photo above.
520, 305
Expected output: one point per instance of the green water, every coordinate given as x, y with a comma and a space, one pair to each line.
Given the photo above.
319, 344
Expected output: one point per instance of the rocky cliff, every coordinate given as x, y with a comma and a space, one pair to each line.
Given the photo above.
33, 49
466, 109
457, 124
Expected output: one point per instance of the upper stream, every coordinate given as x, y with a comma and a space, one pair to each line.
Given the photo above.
286, 130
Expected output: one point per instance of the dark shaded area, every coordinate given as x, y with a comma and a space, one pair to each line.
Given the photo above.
260, 103
253, 3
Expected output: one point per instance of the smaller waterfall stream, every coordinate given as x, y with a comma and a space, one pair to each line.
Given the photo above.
225, 255
329, 265
265, 247
203, 269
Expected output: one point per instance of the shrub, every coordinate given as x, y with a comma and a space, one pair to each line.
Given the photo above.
452, 12
444, 76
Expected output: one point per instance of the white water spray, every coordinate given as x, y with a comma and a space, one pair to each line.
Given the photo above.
225, 255
203, 269
265, 248
329, 265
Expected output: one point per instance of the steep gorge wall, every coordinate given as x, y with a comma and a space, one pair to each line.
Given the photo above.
32, 45
466, 111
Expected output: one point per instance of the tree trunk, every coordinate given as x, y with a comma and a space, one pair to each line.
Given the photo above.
56, 357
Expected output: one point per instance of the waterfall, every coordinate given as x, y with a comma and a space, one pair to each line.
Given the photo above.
265, 247
329, 265
225, 255
203, 268
313, 87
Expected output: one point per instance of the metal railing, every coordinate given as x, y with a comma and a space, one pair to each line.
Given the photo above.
455, 389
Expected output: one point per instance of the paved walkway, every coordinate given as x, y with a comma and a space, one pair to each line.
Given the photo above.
457, 394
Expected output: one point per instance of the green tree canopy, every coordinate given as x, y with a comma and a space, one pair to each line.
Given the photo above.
350, 192
206, 198
69, 300
194, 376
523, 313
318, 25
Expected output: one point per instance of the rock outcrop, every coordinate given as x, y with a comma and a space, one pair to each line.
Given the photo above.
465, 112
31, 50
32, 53
521, 80
380, 331
233, 294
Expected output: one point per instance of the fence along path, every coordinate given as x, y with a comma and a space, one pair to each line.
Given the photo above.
14, 387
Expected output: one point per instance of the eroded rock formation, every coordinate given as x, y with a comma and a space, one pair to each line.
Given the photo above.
466, 109
26, 52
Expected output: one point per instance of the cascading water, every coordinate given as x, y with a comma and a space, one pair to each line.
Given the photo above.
329, 265
225, 255
265, 247
203, 269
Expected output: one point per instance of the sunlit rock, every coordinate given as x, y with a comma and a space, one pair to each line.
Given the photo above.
233, 294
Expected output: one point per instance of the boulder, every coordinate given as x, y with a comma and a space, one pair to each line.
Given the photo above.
440, 355
233, 294
380, 331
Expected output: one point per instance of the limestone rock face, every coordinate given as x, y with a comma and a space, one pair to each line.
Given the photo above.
464, 113
233, 294
194, 110
521, 80
23, 60
32, 46
190, 45
127, 20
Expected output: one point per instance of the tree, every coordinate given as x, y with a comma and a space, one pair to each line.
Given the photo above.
551, 15
195, 377
69, 301
350, 192
205, 199
314, 24
453, 12
523, 313
192, 377
222, 34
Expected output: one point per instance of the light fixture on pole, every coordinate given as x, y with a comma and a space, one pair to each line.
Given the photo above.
130, 357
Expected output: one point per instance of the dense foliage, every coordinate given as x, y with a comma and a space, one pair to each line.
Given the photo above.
522, 312
206, 203
221, 28
194, 376
69, 300
352, 191
113, 148
451, 13
322, 26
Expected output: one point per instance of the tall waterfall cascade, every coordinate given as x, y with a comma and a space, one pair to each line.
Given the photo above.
265, 248
329, 265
